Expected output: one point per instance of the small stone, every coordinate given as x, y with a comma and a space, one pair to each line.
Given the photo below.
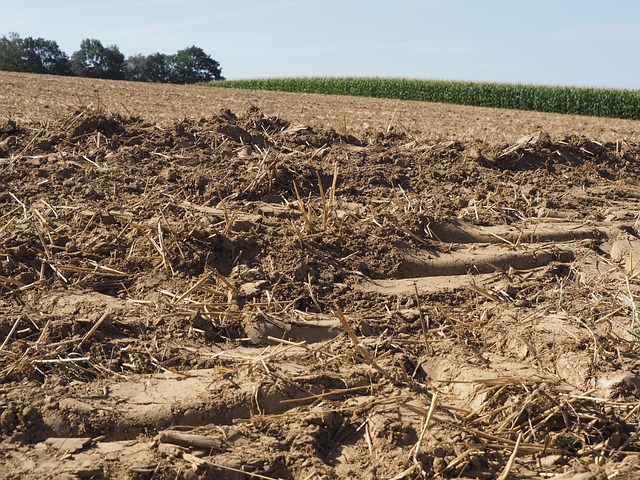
619, 384
551, 460
252, 289
242, 225
7, 419
67, 445
365, 328
73, 405
30, 413
170, 175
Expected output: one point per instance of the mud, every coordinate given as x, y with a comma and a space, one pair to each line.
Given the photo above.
298, 286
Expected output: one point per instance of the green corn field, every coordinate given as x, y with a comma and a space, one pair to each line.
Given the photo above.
569, 100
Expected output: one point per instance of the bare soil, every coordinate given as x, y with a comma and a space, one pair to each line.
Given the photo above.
209, 283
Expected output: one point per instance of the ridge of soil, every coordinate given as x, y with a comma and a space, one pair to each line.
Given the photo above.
202, 283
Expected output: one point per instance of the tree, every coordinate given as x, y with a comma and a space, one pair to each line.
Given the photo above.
10, 53
134, 68
193, 65
34, 55
153, 68
158, 68
44, 56
94, 60
97, 61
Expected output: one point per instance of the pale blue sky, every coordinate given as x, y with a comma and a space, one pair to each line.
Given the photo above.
557, 42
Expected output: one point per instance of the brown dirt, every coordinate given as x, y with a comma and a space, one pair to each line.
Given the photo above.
204, 283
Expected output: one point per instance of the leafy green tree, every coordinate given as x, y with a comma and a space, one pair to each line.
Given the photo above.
45, 56
153, 68
135, 68
10, 52
34, 55
193, 65
158, 68
94, 60
97, 61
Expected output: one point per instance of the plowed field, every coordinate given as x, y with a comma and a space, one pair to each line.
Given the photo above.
203, 283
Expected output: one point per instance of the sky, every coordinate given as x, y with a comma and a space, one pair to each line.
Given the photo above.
593, 43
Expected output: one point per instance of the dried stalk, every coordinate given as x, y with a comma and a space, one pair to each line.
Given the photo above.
361, 348
189, 439
427, 421
303, 210
10, 334
507, 469
96, 325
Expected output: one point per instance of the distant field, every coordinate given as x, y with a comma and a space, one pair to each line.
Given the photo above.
569, 100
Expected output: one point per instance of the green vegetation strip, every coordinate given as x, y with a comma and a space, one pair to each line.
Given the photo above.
596, 102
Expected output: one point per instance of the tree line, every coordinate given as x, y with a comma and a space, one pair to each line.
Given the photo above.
95, 60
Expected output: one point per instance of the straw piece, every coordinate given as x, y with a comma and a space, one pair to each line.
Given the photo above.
361, 348
96, 325
427, 420
189, 439
24, 207
338, 391
10, 334
303, 210
197, 285
64, 360
507, 469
